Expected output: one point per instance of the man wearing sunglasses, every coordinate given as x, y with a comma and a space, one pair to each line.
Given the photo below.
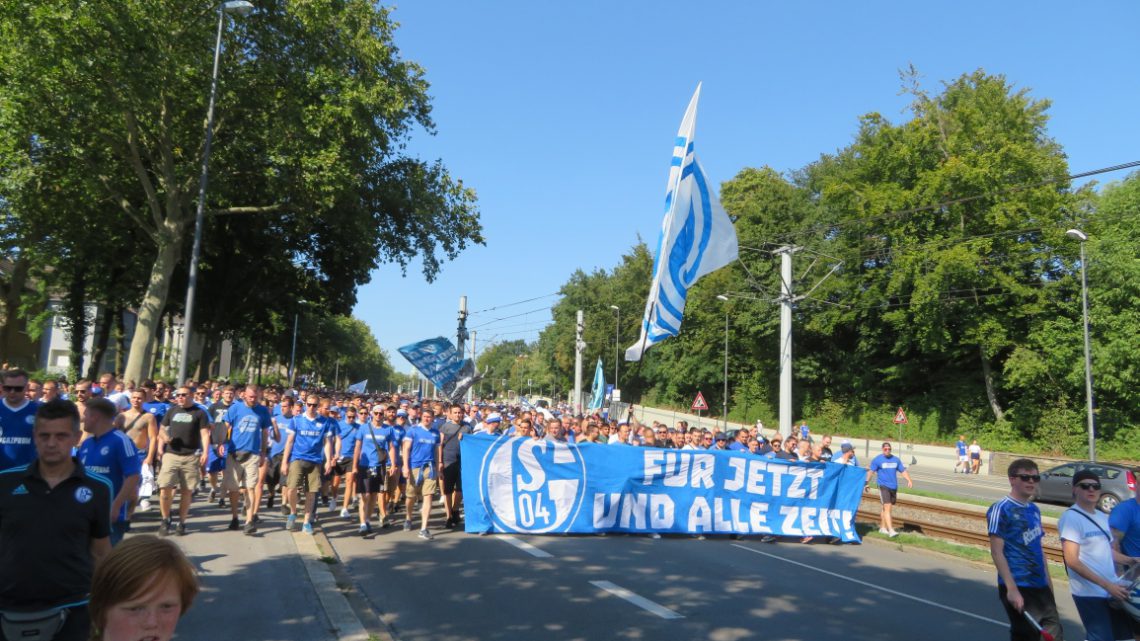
1024, 585
183, 440
1089, 556
17, 417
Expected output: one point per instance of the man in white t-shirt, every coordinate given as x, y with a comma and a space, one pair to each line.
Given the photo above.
1087, 545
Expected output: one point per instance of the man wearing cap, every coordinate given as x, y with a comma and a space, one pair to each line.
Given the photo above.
846, 454
111, 453
1089, 556
490, 425
720, 442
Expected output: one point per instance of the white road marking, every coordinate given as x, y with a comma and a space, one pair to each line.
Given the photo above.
524, 546
638, 600
879, 588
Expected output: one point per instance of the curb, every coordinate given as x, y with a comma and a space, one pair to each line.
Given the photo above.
333, 590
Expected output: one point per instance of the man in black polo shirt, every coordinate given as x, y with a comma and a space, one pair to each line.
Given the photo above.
55, 525
182, 440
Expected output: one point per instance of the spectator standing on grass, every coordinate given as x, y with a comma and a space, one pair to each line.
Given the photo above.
1089, 560
888, 466
1024, 584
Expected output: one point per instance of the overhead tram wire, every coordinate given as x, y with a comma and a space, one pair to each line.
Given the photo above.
529, 300
492, 322
787, 237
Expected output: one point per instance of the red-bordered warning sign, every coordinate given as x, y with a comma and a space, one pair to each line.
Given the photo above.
900, 417
699, 402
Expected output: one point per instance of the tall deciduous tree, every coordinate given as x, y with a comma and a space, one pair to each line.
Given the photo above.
314, 107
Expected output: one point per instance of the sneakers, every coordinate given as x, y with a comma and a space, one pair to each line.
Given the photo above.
892, 533
234, 525
144, 505
307, 528
213, 495
249, 528
345, 514
291, 523
365, 529
164, 528
768, 538
425, 535
222, 502
654, 535
181, 529
383, 522
407, 526
285, 510
883, 530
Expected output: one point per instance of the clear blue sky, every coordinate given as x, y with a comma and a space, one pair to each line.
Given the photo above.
562, 116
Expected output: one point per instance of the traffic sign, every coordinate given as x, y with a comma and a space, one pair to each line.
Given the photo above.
900, 417
699, 402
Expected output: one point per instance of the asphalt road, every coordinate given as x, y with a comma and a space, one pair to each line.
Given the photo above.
253, 587
463, 587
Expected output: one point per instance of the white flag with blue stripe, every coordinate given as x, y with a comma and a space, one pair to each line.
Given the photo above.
697, 238
599, 389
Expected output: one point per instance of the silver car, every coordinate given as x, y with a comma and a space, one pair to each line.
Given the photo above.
1117, 483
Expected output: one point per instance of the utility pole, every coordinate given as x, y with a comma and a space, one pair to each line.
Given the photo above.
786, 299
461, 333
579, 345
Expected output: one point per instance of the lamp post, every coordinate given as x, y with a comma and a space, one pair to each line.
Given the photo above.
1081, 236
617, 343
724, 298
235, 7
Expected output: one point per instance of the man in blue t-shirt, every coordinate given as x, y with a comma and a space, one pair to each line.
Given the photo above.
347, 433
308, 452
111, 453
1024, 584
155, 405
963, 455
17, 418
375, 450
888, 467
271, 470
248, 424
1125, 525
423, 461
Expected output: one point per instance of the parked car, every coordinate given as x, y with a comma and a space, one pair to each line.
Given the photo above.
1118, 483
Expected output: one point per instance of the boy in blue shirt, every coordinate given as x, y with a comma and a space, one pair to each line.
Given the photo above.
423, 461
1024, 584
888, 467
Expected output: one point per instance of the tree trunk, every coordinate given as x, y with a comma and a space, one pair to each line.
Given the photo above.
150, 311
102, 338
991, 395
120, 339
75, 311
203, 359
13, 291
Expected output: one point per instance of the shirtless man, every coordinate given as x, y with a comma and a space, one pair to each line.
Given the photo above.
142, 428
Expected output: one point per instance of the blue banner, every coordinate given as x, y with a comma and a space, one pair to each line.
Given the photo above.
521, 485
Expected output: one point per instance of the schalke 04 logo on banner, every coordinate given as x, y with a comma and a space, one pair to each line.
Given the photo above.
539, 486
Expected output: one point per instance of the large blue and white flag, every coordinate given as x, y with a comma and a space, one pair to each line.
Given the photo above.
697, 238
359, 388
599, 389
439, 362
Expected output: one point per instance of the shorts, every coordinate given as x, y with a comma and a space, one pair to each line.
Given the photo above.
342, 466
237, 475
452, 481
962, 458
368, 482
421, 483
180, 470
215, 464
888, 495
304, 471
1040, 603
1102, 621
273, 473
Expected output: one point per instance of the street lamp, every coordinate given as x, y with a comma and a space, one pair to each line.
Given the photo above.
724, 298
617, 342
234, 7
1081, 236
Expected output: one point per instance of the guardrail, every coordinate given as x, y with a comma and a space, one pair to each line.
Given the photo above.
945, 519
